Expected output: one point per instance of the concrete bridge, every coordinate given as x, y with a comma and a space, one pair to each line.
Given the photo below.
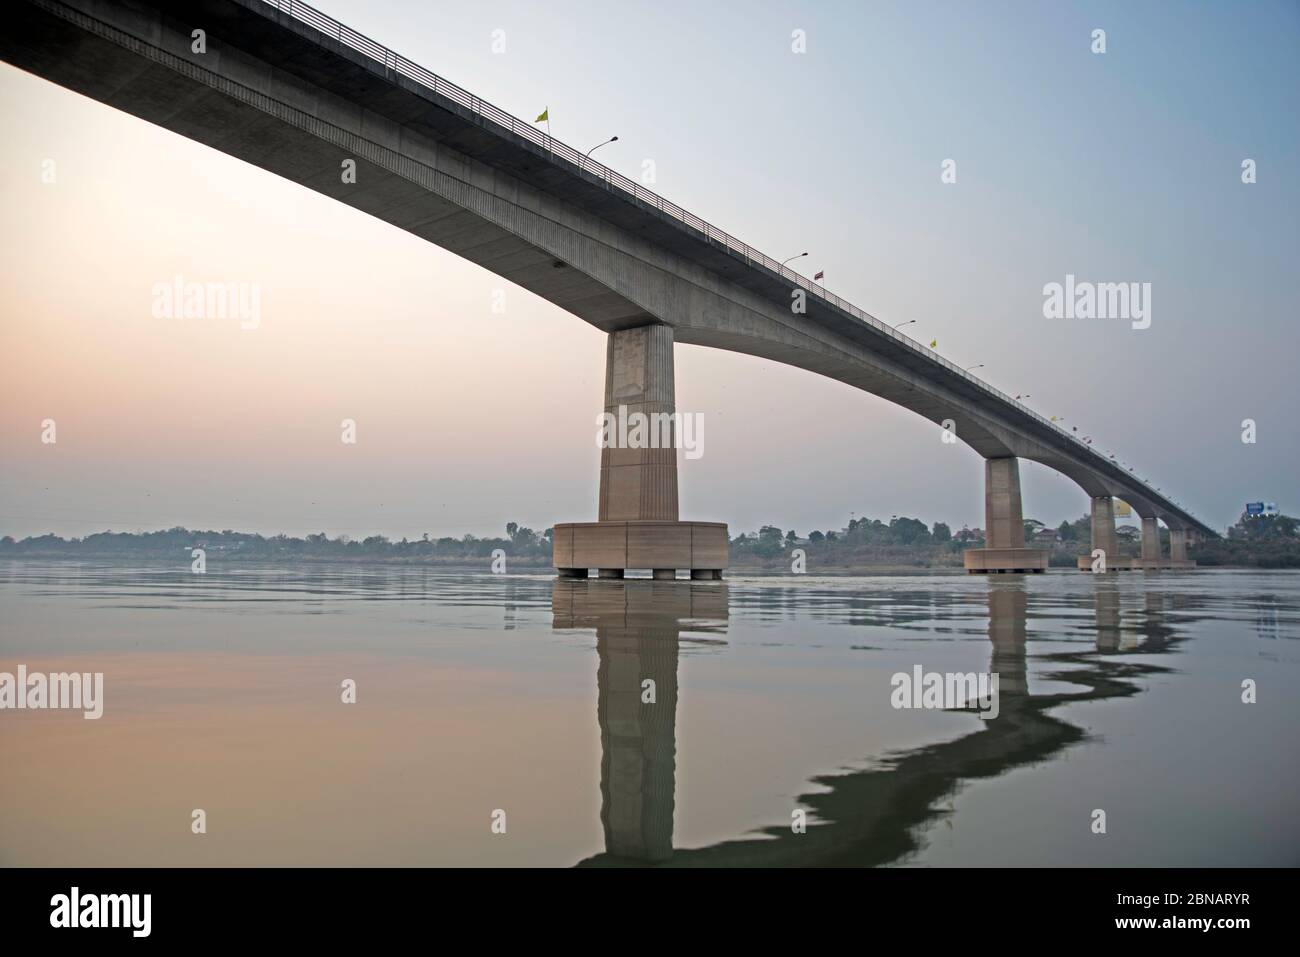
284, 87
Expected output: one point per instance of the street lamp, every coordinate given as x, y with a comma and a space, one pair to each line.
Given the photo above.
980, 366
799, 256
612, 139
907, 323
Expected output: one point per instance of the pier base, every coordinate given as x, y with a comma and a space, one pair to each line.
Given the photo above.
638, 527
979, 561
662, 548
1004, 529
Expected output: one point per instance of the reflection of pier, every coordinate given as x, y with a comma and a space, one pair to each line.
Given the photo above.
859, 818
1008, 607
638, 626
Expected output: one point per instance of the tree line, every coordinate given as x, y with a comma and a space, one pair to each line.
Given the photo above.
518, 542
1271, 541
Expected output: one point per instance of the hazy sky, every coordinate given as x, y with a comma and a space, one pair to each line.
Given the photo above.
1124, 166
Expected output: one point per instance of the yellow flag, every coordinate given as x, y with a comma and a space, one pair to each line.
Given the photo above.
543, 116
934, 343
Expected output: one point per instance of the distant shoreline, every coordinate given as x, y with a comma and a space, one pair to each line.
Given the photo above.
865, 547
515, 564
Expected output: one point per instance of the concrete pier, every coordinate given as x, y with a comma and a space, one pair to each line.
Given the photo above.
1103, 527
1004, 526
640, 484
1177, 545
1150, 540
1151, 558
638, 525
1103, 536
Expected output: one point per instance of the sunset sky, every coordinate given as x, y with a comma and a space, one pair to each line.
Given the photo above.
1117, 167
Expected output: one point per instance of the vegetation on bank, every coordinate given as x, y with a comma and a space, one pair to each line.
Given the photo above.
1254, 542
902, 542
1259, 541
521, 543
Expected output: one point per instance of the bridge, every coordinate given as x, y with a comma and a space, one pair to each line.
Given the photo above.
284, 87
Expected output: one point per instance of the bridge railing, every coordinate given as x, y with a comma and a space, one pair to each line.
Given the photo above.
398, 64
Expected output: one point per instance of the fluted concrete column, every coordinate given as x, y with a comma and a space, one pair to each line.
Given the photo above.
1103, 527
641, 483
1004, 524
1150, 539
1177, 545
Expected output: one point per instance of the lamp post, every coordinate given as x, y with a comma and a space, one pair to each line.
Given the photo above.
611, 139
588, 154
792, 258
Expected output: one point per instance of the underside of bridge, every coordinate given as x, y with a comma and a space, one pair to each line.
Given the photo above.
301, 96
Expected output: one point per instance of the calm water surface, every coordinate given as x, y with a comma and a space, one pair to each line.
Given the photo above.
521, 693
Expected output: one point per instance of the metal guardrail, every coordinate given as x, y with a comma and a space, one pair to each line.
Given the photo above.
391, 60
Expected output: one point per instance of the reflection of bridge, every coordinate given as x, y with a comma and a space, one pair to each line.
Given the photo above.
860, 817
296, 93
